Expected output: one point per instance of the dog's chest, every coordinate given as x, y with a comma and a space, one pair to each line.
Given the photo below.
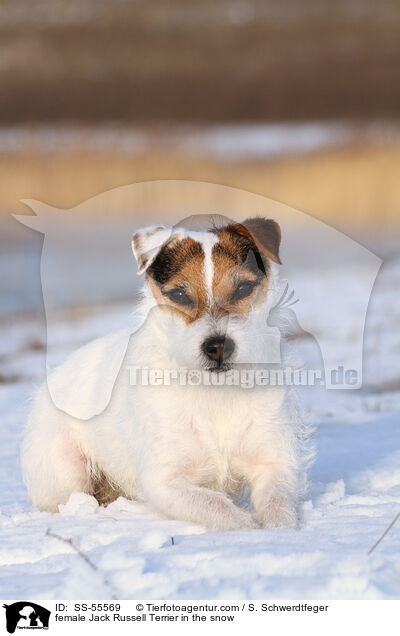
222, 431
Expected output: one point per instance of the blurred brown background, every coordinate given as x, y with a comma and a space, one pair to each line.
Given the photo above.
95, 94
191, 60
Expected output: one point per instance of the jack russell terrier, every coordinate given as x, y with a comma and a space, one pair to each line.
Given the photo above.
186, 450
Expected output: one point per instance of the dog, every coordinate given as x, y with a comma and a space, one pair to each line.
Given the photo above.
186, 450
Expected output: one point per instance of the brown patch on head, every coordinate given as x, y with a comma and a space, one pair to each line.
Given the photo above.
238, 270
241, 267
176, 277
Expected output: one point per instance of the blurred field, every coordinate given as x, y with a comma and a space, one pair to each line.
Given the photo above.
185, 60
84, 66
352, 188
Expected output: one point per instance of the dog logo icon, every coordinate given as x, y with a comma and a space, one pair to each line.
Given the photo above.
26, 615
331, 294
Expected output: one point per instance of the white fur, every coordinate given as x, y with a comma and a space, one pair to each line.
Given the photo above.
186, 450
208, 241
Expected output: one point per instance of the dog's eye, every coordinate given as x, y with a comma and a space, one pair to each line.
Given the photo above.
243, 290
179, 296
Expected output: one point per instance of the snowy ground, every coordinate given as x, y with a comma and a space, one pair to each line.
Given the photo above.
354, 495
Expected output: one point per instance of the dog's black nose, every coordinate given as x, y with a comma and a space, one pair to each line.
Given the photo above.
218, 348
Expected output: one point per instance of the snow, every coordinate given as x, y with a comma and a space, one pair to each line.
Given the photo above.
126, 551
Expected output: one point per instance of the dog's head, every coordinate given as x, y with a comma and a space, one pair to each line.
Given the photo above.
214, 288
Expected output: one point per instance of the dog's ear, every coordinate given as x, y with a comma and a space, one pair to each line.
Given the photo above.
147, 242
266, 233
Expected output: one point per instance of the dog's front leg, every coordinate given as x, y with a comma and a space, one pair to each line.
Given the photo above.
179, 499
273, 494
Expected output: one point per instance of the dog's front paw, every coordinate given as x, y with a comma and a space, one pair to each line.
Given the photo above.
243, 520
278, 513
230, 517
